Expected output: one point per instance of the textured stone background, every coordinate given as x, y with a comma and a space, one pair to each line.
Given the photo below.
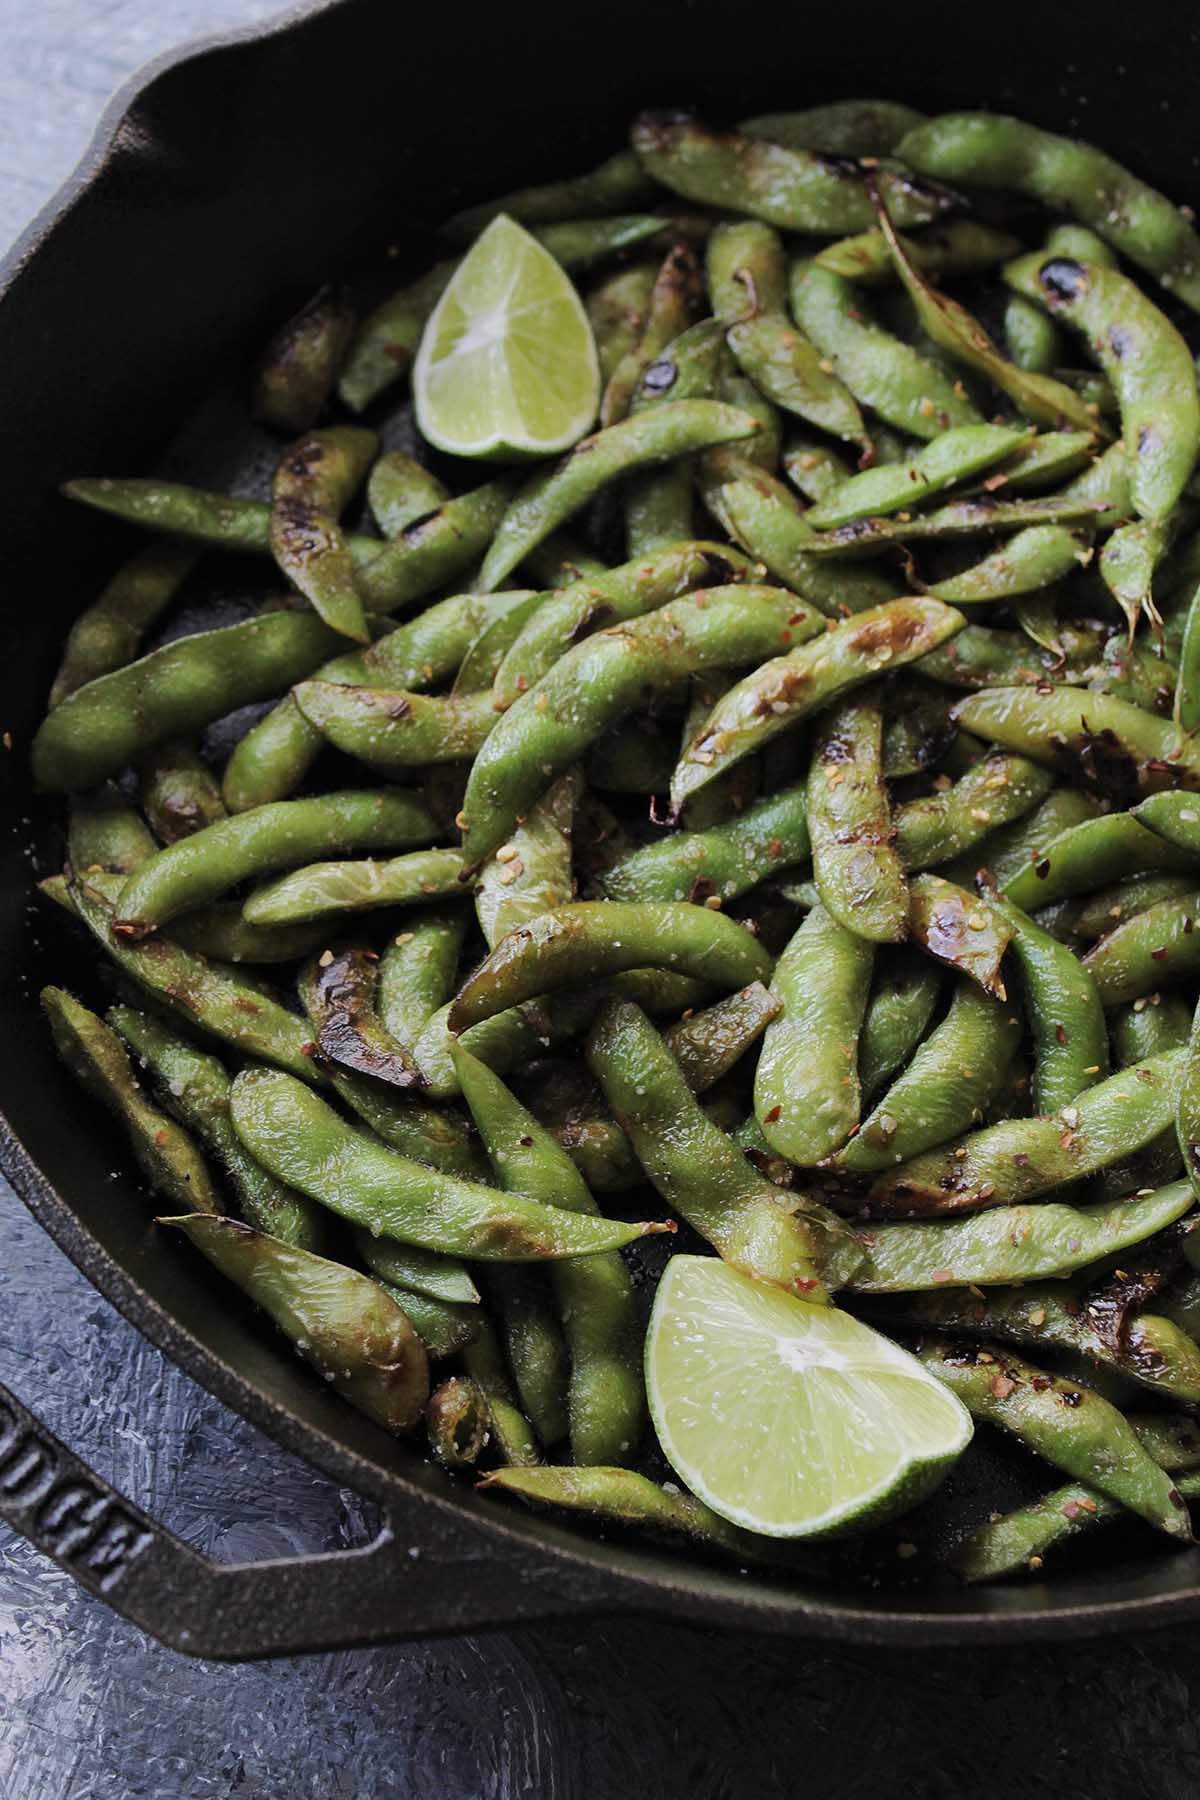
92, 1710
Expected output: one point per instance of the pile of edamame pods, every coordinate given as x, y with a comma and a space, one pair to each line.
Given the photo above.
805, 855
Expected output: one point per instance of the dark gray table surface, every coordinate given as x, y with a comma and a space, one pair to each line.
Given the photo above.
92, 1710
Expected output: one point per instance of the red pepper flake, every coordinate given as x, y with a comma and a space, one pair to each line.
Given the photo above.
1002, 1386
770, 1118
1072, 1510
1159, 955
246, 1006
1039, 1383
941, 1276
160, 1137
1060, 1032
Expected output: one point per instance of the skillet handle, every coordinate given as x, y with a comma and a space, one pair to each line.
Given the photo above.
430, 1574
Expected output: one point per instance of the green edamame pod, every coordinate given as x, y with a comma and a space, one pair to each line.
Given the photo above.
604, 1396
637, 587
299, 366
1044, 461
444, 1326
953, 329
858, 873
1065, 1005
178, 689
1055, 1316
1145, 952
795, 190
675, 302
594, 939
958, 518
305, 1143
341, 1322
959, 929
417, 1271
595, 685
775, 1237
981, 657
1140, 1031
313, 482
213, 997
707, 1044
881, 371
1187, 687
1032, 340
509, 1040
616, 185
98, 1060
760, 512
338, 991
1144, 357
433, 550
996, 792
658, 502
842, 127
1006, 852
1175, 818
198, 868
677, 428
1070, 1425
1031, 560
103, 833
952, 247
747, 277
457, 1420
1011, 1243
1090, 855
511, 1433
194, 1087
390, 730
400, 491
1005, 1164
806, 1093
791, 687
322, 889
533, 1342
990, 150
417, 969
532, 872
903, 997
953, 457
108, 634
724, 861
815, 468
616, 1496
1100, 741
616, 311
946, 1087
180, 794
1187, 1116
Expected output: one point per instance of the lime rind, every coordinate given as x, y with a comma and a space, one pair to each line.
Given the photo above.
787, 1418
507, 365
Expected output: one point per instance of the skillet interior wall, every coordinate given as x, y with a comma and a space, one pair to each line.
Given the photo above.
364, 126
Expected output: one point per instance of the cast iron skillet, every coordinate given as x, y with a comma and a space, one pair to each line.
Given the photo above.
220, 190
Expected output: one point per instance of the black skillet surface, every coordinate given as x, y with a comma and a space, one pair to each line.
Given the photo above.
236, 180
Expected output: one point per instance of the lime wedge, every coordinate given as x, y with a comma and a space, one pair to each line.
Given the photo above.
507, 367
786, 1418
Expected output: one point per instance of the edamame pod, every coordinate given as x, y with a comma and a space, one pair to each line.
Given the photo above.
338, 991
390, 730
299, 366
328, 888
532, 872
894, 487
675, 302
904, 994
306, 1144
858, 873
1065, 1005
98, 1060
179, 792
789, 688
945, 1088
702, 1175
178, 689
594, 686
996, 792
677, 428
724, 861
1070, 1425
198, 868
882, 372
312, 484
795, 190
1089, 855
341, 1322
108, 634
1005, 1164
417, 970
990, 150
952, 247
806, 1093
1145, 358
594, 939
1146, 951
1010, 1243
1093, 738
194, 1086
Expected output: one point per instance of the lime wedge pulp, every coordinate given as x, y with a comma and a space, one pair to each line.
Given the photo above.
507, 366
786, 1418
